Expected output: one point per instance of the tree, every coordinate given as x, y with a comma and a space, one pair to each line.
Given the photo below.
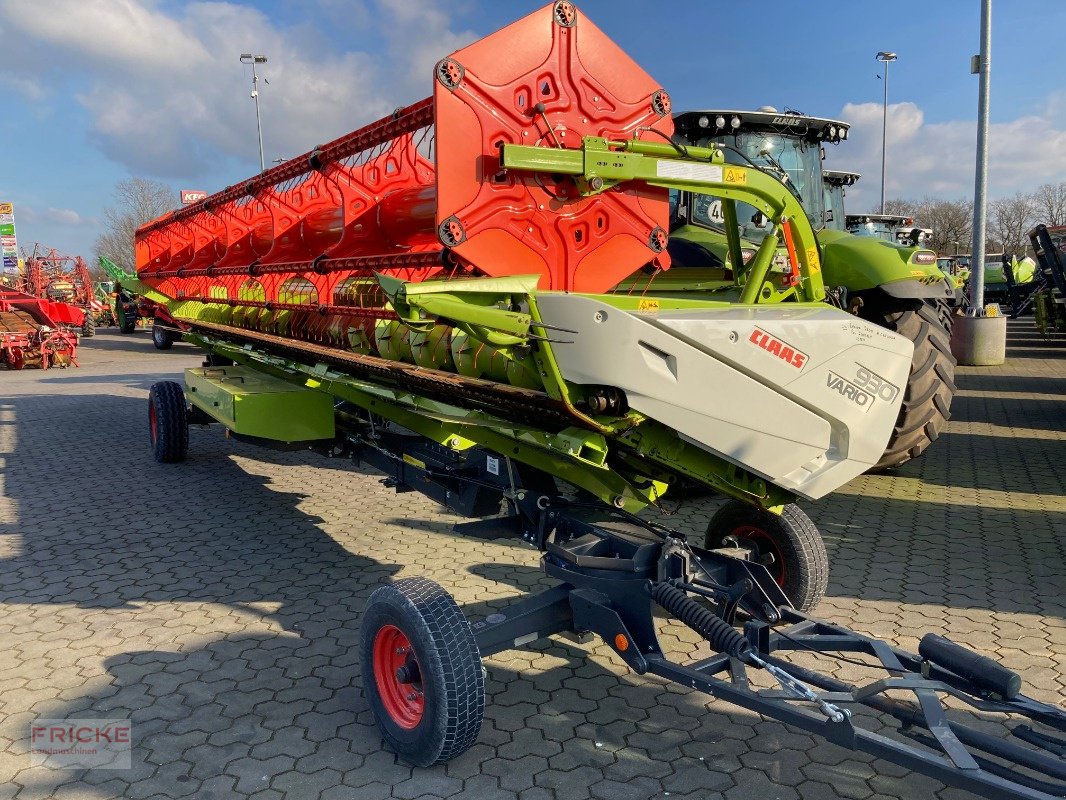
137, 201
951, 221
1010, 219
901, 207
1050, 202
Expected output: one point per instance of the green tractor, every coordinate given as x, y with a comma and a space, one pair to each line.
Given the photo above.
898, 286
834, 185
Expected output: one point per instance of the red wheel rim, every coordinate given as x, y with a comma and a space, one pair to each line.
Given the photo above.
153, 424
766, 545
404, 701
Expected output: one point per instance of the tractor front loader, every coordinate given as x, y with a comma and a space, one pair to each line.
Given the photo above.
897, 286
435, 294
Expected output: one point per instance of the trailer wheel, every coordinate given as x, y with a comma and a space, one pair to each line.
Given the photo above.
788, 544
88, 327
16, 359
930, 388
168, 422
422, 671
161, 337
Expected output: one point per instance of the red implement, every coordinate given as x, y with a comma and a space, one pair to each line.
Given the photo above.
420, 193
32, 332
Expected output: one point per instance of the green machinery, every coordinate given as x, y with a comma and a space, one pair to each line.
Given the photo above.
893, 285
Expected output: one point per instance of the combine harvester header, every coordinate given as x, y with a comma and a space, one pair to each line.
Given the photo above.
422, 193
436, 294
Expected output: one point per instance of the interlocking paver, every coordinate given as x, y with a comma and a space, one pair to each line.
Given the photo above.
217, 604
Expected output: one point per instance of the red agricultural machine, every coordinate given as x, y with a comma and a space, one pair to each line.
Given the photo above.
437, 294
59, 278
36, 332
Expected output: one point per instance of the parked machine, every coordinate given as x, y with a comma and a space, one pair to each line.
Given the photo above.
50, 275
1049, 296
437, 294
835, 183
891, 284
132, 306
36, 332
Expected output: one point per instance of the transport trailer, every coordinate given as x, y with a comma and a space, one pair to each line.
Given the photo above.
433, 295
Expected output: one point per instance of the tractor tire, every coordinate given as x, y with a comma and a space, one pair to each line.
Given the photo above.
129, 326
88, 327
945, 312
162, 338
422, 672
168, 422
789, 545
930, 388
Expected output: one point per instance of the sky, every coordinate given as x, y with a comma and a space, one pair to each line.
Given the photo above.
96, 91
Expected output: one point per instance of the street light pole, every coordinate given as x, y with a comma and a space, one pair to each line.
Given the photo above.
248, 58
884, 57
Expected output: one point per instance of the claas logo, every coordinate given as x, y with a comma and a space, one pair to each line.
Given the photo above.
774, 346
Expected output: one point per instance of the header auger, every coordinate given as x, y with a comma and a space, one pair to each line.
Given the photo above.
461, 294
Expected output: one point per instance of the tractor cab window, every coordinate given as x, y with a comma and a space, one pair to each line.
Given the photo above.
834, 207
877, 229
796, 163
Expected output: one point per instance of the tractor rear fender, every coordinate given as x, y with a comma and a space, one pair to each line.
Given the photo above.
861, 263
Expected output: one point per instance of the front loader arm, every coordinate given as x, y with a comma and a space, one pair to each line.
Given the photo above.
600, 165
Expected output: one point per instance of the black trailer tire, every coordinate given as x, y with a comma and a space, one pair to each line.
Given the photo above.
168, 422
161, 337
422, 672
88, 327
930, 387
799, 565
129, 325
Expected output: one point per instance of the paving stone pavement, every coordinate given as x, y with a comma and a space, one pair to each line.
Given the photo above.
217, 605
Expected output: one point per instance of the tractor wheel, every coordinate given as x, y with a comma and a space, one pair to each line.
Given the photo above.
168, 422
422, 671
930, 388
945, 313
129, 325
161, 338
788, 544
88, 327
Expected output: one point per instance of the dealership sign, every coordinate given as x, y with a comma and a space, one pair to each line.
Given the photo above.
8, 245
191, 196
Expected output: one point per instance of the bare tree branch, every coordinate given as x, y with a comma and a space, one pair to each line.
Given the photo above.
1050, 200
137, 201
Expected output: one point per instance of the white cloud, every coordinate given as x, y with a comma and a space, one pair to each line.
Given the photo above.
168, 96
63, 216
938, 159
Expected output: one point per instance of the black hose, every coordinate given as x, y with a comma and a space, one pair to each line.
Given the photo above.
724, 638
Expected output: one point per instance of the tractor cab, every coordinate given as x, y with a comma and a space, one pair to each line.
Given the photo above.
785, 144
834, 183
888, 227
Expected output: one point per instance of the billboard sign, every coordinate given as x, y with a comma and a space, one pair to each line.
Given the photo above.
8, 244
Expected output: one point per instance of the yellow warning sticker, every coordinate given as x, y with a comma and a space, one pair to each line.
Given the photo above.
414, 462
737, 177
812, 259
917, 273
647, 306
